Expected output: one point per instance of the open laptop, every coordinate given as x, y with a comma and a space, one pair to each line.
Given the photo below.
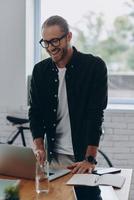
20, 162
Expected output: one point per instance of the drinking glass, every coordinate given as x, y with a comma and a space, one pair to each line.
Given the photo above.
42, 177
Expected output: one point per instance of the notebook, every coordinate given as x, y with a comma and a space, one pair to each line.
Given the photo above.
114, 180
20, 162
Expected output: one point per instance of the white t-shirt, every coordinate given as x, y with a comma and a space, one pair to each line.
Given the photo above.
63, 143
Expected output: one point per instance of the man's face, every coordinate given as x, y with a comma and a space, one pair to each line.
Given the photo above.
60, 51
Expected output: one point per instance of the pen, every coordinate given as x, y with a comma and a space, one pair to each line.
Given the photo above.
96, 179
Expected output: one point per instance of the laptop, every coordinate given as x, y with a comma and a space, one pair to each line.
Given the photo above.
20, 162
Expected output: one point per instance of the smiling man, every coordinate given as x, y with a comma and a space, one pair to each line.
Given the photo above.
68, 98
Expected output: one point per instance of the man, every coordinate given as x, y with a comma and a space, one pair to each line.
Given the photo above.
68, 96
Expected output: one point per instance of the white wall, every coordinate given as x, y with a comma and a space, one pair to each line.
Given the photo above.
12, 53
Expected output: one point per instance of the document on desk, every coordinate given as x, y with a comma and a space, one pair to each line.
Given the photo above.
94, 180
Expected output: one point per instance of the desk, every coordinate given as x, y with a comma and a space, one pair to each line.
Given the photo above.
123, 193
60, 191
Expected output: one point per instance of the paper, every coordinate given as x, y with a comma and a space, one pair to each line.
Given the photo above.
112, 179
83, 179
94, 180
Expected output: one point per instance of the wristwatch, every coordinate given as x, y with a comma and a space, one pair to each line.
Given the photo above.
91, 159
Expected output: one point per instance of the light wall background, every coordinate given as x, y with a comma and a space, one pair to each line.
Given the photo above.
12, 53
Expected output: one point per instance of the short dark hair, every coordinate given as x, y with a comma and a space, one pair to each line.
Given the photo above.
56, 20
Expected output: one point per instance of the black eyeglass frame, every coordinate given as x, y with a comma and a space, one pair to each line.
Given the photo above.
47, 42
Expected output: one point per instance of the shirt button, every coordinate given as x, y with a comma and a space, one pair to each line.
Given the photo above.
52, 139
55, 80
54, 125
52, 69
55, 95
54, 110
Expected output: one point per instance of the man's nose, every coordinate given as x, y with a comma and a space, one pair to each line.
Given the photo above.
50, 47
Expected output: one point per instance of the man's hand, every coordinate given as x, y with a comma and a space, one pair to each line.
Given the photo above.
39, 150
40, 155
82, 167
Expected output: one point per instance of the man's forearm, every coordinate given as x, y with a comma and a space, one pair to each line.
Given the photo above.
39, 144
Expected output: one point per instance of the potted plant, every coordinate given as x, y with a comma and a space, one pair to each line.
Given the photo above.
12, 193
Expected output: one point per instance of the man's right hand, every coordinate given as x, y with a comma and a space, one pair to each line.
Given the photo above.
39, 150
40, 155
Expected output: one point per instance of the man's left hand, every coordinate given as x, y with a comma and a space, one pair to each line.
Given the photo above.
82, 167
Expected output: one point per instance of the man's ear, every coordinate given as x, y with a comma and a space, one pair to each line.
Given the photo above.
69, 36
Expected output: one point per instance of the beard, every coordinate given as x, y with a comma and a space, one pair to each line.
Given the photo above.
58, 54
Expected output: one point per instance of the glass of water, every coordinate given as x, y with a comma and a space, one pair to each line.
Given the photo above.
42, 177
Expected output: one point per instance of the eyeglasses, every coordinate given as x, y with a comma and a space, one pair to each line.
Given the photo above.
55, 42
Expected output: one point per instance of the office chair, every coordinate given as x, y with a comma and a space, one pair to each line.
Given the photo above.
105, 158
19, 123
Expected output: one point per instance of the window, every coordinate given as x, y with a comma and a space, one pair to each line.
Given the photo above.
103, 28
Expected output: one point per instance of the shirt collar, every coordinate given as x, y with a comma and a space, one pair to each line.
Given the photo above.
73, 60
72, 63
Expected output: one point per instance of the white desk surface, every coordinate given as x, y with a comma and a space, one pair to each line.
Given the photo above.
119, 194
